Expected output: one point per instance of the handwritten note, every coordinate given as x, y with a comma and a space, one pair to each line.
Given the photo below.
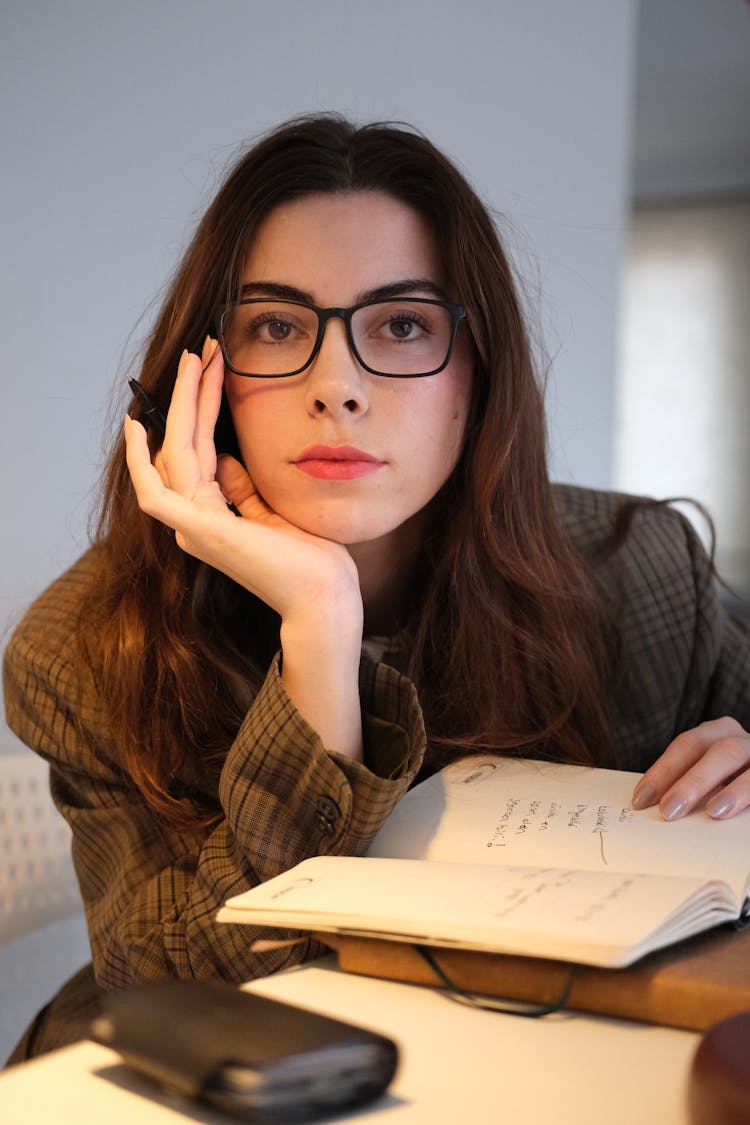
536, 813
521, 818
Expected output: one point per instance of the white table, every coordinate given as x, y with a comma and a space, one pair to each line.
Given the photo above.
457, 1065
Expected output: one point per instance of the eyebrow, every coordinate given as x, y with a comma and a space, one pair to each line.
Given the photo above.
394, 289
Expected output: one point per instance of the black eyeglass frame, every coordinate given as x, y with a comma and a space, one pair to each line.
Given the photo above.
457, 313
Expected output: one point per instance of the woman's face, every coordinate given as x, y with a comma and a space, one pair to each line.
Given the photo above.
334, 251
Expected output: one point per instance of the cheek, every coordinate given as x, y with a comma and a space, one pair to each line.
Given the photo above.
257, 414
449, 418
433, 442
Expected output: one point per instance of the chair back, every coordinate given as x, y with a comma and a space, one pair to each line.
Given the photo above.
37, 880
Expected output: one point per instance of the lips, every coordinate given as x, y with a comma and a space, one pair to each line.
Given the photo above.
336, 462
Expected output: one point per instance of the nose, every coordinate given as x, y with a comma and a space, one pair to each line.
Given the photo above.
335, 383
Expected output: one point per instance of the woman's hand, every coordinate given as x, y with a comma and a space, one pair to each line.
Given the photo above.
710, 761
284, 566
312, 583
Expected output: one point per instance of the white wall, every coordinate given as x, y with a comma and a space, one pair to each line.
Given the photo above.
118, 119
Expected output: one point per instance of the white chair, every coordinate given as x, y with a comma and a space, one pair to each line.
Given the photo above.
43, 937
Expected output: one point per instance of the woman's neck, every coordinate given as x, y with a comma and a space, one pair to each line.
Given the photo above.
387, 569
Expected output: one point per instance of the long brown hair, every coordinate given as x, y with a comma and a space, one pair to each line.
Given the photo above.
508, 649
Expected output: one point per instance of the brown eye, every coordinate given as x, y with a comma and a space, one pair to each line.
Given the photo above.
277, 330
401, 329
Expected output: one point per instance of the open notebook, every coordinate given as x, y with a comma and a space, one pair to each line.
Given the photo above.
521, 857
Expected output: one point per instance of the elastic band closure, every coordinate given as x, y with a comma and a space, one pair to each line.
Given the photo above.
508, 1008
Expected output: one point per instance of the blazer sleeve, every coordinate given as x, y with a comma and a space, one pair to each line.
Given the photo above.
151, 893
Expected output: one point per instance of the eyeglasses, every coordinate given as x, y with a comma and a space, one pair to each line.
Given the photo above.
402, 338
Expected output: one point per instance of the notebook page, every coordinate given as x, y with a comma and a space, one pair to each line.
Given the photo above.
488, 809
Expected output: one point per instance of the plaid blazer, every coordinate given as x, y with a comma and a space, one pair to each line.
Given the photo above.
151, 892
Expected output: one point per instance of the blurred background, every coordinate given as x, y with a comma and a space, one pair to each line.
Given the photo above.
612, 138
682, 376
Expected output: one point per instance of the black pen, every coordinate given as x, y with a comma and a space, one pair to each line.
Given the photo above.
154, 420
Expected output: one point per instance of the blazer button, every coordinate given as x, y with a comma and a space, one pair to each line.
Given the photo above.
328, 809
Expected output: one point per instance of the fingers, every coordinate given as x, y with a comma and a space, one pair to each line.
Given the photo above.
178, 452
710, 761
187, 457
149, 486
185, 515
185, 465
208, 405
237, 486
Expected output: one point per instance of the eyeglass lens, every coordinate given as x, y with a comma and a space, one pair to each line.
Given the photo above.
399, 337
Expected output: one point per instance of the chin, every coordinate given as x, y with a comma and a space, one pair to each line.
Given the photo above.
347, 523
342, 530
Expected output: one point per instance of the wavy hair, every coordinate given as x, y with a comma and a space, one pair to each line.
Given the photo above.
508, 649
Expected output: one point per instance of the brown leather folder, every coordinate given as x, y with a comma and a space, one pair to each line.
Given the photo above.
689, 985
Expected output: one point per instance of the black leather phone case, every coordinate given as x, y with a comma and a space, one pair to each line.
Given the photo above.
257, 1058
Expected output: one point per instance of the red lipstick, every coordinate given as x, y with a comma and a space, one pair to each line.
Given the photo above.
336, 462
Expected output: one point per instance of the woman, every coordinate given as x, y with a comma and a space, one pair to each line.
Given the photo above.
199, 682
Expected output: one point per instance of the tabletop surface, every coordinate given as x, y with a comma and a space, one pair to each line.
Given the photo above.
457, 1065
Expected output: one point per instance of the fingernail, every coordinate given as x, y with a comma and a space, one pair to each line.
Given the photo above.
183, 357
674, 808
644, 796
209, 351
720, 804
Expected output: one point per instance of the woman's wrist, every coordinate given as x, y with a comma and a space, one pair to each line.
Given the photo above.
320, 672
